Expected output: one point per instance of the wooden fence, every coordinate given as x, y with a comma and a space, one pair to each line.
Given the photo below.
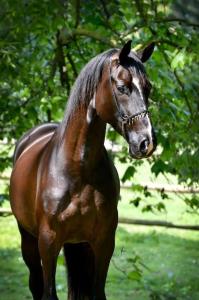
7, 212
151, 187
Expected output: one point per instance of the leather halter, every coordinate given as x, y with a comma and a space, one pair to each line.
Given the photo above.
125, 119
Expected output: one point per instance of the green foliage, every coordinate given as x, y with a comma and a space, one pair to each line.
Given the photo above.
128, 173
136, 201
3, 197
44, 44
193, 204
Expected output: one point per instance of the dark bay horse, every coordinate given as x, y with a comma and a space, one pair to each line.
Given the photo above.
64, 188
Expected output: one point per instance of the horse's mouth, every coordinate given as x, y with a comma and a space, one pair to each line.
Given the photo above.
138, 155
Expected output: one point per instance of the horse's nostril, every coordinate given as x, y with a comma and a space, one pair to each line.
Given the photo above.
144, 146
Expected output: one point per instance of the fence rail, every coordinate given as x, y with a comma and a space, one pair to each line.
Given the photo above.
7, 212
156, 223
167, 188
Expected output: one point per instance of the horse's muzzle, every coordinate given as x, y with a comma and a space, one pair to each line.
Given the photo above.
143, 147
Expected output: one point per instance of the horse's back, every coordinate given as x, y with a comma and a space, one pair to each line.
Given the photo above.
31, 136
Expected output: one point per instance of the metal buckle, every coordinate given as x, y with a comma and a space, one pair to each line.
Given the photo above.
125, 119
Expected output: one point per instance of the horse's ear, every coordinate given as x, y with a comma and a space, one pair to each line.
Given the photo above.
145, 54
125, 52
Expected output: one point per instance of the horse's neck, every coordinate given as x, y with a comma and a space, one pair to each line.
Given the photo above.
83, 141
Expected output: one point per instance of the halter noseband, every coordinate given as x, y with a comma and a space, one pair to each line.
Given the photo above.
125, 119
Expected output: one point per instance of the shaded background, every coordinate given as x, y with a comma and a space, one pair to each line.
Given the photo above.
44, 44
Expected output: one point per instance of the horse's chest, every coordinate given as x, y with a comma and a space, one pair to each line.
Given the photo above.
87, 203
86, 213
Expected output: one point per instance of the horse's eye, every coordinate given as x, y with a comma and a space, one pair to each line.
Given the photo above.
123, 89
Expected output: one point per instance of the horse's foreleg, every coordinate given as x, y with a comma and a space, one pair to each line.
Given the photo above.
49, 249
80, 264
30, 253
103, 251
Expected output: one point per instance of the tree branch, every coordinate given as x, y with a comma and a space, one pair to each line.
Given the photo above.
141, 11
77, 11
62, 64
70, 59
66, 36
179, 20
168, 42
80, 51
106, 12
142, 23
106, 17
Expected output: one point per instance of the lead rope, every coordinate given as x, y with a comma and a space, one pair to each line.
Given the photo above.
125, 119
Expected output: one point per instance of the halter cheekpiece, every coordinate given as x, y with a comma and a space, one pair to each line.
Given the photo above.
125, 119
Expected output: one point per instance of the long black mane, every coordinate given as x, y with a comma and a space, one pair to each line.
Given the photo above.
86, 84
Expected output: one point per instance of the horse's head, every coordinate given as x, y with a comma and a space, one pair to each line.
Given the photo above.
122, 99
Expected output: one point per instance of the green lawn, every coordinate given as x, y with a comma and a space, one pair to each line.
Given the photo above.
170, 257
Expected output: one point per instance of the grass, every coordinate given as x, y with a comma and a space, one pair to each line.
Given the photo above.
167, 259
170, 256
172, 266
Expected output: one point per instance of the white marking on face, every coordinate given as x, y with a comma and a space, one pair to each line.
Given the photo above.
137, 84
35, 142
